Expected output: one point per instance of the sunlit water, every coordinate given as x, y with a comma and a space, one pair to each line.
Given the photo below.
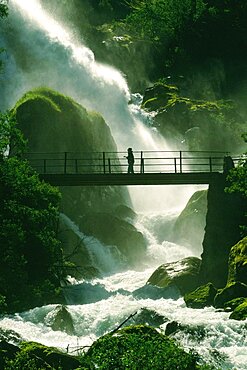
42, 52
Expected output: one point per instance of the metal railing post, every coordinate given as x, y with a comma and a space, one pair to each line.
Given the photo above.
109, 164
76, 165
180, 158
175, 164
65, 162
104, 167
142, 165
141, 162
210, 164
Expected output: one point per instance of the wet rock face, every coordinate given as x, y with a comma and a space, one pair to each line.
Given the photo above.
192, 218
61, 320
237, 270
230, 292
225, 214
114, 231
182, 274
201, 297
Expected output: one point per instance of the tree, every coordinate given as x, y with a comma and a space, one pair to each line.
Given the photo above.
29, 209
3, 13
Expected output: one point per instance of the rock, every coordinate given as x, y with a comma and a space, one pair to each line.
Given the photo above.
49, 355
182, 274
150, 291
157, 96
60, 319
8, 352
172, 327
230, 292
121, 234
53, 123
145, 316
192, 218
125, 213
130, 346
225, 213
240, 312
231, 305
85, 293
237, 270
201, 297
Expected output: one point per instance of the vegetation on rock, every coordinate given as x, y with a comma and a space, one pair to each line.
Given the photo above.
201, 297
240, 312
139, 347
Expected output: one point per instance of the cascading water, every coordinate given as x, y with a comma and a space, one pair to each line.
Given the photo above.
53, 58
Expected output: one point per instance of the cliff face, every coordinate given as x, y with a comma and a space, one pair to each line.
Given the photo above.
222, 231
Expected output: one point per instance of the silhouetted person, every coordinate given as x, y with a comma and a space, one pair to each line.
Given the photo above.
131, 160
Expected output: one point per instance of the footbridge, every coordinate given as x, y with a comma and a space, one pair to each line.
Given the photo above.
111, 168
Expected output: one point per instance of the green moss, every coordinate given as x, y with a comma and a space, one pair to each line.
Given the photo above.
230, 292
201, 297
240, 312
237, 270
48, 96
139, 347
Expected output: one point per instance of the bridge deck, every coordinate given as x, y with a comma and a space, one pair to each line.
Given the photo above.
131, 179
110, 168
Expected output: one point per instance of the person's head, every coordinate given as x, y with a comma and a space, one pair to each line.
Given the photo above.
129, 149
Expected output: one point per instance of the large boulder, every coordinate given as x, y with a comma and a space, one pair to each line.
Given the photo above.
237, 264
230, 292
138, 347
114, 231
201, 297
240, 312
188, 229
54, 123
183, 274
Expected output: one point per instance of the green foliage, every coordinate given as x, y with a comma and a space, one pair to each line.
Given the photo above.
138, 347
11, 139
30, 252
3, 8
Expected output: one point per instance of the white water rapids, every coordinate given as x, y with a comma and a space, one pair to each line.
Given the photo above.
42, 52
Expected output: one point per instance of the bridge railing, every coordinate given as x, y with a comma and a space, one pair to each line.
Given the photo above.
116, 162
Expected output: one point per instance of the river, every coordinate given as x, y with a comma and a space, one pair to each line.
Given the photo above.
61, 62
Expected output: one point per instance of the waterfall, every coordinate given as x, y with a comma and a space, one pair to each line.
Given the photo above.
40, 51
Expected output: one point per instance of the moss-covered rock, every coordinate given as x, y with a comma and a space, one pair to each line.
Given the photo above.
188, 229
230, 292
201, 297
114, 231
202, 124
240, 312
32, 355
54, 123
237, 265
138, 347
231, 305
182, 274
